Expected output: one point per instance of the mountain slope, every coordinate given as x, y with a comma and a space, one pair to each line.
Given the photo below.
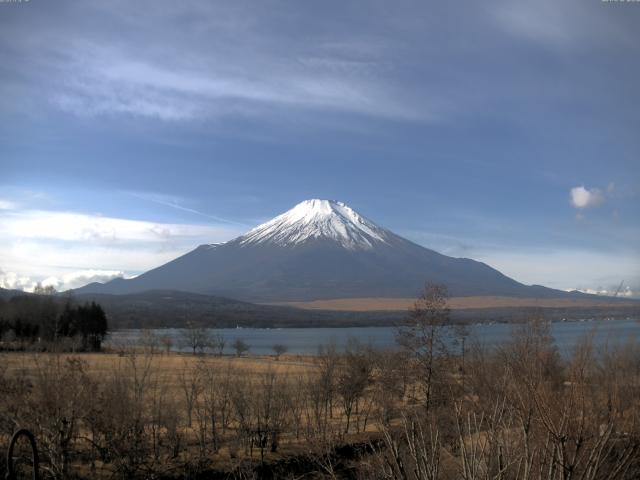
320, 249
6, 294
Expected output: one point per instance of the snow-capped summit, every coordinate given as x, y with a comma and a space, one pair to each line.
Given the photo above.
318, 219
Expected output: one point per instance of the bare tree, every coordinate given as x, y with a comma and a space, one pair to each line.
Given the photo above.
392, 380
212, 400
423, 337
167, 342
241, 396
190, 384
196, 338
461, 334
411, 452
279, 349
240, 346
56, 412
149, 341
268, 404
121, 415
354, 376
217, 342
321, 389
44, 290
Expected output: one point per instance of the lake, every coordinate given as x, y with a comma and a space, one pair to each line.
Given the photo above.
307, 340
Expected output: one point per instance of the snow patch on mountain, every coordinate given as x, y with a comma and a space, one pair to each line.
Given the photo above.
319, 219
213, 245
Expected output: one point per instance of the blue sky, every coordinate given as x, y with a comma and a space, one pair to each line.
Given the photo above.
503, 131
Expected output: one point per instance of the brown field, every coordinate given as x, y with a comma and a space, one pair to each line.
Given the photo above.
171, 365
167, 375
149, 414
455, 303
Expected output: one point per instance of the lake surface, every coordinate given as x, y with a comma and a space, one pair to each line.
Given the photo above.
307, 340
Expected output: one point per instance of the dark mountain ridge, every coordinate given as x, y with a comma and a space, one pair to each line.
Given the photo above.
175, 309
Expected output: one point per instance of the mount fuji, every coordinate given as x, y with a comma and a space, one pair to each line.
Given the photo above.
320, 249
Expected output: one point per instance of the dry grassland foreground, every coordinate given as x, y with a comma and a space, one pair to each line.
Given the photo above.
415, 413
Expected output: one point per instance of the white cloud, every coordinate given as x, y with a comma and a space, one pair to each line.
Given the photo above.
11, 280
69, 226
68, 249
582, 197
625, 292
7, 205
42, 258
82, 277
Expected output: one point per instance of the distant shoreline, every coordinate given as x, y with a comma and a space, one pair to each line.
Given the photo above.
366, 326
306, 341
371, 304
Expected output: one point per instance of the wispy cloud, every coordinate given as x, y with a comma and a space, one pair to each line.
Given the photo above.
70, 226
239, 61
102, 81
177, 204
195, 61
561, 25
546, 22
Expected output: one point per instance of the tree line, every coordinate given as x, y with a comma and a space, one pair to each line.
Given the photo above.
43, 321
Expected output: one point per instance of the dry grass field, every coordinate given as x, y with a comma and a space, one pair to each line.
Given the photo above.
178, 396
170, 381
150, 414
456, 303
170, 365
